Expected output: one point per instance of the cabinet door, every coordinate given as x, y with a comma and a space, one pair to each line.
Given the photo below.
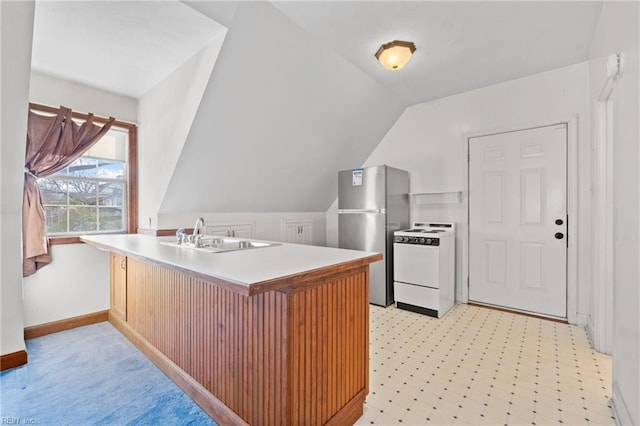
297, 231
306, 233
238, 230
291, 233
222, 230
119, 286
242, 231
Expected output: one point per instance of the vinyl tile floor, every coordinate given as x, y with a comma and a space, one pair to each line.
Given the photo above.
479, 366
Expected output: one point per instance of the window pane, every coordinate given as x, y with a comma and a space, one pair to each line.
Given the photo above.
53, 191
83, 219
112, 146
56, 219
110, 219
83, 192
110, 169
83, 167
111, 194
89, 195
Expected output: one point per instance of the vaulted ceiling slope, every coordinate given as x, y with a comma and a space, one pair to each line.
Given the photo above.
281, 114
122, 47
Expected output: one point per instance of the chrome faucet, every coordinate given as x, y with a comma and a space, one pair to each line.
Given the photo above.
196, 228
180, 236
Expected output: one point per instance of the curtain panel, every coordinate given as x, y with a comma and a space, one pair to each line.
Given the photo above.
53, 142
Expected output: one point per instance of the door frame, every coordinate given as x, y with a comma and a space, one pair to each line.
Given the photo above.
600, 321
572, 205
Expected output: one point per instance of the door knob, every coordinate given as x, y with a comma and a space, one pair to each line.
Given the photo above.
559, 235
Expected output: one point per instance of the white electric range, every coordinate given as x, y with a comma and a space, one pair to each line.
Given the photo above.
424, 268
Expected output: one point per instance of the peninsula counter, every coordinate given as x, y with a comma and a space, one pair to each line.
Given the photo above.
274, 335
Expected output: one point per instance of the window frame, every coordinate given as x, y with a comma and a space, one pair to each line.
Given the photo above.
132, 169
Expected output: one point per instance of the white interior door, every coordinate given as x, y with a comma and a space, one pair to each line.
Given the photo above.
518, 220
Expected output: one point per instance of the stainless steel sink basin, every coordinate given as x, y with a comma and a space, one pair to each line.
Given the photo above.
213, 244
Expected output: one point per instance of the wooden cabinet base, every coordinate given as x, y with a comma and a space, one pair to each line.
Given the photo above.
351, 412
209, 403
296, 356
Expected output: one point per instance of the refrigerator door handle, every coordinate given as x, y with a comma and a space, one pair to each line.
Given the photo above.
356, 211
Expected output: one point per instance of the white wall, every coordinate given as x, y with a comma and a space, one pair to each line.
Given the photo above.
429, 141
166, 113
276, 124
16, 28
266, 226
77, 281
54, 91
332, 225
618, 32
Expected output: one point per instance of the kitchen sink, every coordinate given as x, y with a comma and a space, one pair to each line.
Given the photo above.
221, 244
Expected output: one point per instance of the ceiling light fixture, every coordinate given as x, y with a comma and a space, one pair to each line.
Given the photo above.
395, 54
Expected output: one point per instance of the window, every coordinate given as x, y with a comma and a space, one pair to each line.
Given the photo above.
97, 192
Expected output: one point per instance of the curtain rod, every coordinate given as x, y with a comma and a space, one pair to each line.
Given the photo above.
83, 116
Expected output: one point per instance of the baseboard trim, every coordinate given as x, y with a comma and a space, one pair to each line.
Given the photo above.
198, 393
515, 311
582, 319
13, 360
351, 412
620, 410
65, 324
591, 332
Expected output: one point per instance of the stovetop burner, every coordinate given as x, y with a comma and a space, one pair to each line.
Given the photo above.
428, 229
424, 231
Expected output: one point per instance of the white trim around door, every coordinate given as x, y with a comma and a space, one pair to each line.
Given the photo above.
600, 321
572, 206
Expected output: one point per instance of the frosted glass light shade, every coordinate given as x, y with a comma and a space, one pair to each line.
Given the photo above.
395, 54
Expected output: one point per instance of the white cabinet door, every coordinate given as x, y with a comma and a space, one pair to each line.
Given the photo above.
306, 233
238, 230
242, 231
297, 231
222, 230
517, 220
291, 233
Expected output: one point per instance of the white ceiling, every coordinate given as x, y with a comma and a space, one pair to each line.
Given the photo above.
460, 45
295, 94
128, 47
121, 47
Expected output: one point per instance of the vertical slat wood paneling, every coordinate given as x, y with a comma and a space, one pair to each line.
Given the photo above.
328, 343
273, 358
207, 332
333, 351
308, 378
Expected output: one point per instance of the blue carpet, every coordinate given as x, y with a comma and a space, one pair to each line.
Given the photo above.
93, 376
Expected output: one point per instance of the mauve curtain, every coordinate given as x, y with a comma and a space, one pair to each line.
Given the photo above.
52, 144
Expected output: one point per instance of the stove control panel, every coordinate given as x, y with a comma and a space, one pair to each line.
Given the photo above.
424, 241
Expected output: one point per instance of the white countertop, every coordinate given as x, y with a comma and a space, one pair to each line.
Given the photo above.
245, 267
